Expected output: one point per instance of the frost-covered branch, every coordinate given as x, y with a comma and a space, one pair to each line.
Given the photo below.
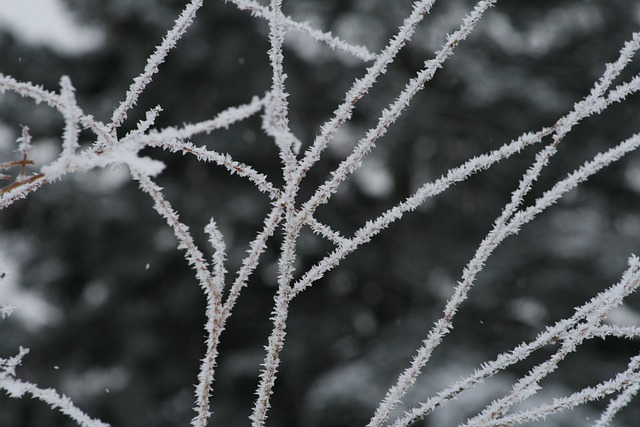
335, 43
213, 327
17, 388
153, 62
222, 120
590, 105
626, 380
491, 241
600, 304
6, 310
529, 384
289, 216
234, 167
361, 86
389, 116
70, 143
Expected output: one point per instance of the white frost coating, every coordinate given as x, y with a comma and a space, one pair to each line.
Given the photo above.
214, 326
17, 388
335, 43
6, 310
169, 42
289, 216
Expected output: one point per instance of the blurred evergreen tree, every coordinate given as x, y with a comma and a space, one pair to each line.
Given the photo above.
128, 335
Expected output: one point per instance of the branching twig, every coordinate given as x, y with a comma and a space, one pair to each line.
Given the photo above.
289, 217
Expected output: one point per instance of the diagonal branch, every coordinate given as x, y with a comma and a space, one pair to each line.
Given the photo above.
153, 62
361, 86
333, 42
389, 116
522, 351
456, 175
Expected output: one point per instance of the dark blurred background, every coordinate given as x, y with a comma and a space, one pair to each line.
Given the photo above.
121, 330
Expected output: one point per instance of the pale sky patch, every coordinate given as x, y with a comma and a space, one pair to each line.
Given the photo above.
47, 23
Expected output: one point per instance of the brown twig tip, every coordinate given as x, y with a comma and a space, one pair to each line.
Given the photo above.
21, 163
21, 179
20, 183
